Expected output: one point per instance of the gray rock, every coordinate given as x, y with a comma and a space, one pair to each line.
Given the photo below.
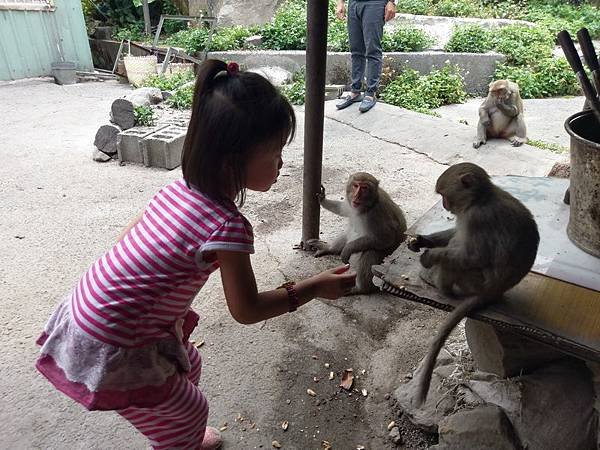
276, 75
246, 12
145, 96
394, 436
106, 139
253, 41
121, 113
503, 353
484, 427
99, 156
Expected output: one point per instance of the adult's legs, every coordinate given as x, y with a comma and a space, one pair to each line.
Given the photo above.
373, 19
357, 44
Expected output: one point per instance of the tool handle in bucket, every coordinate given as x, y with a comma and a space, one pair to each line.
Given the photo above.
587, 48
589, 93
564, 38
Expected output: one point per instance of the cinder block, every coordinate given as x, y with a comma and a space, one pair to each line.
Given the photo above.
130, 143
164, 148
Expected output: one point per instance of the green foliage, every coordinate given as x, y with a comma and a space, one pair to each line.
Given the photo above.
182, 98
131, 32
229, 38
470, 39
171, 26
523, 45
119, 13
453, 8
406, 39
556, 148
425, 92
413, 6
550, 77
144, 116
295, 91
287, 30
170, 82
191, 40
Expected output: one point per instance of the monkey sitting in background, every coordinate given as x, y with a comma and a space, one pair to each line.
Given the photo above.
501, 115
376, 227
492, 247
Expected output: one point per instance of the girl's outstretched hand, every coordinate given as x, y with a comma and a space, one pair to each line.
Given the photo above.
335, 283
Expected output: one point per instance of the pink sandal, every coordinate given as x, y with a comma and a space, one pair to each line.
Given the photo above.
212, 439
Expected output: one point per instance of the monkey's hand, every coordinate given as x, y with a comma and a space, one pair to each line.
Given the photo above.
415, 243
478, 143
321, 194
427, 259
318, 246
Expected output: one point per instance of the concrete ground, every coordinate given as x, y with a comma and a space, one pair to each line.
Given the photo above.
61, 210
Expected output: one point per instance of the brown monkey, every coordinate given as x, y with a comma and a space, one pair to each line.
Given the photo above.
376, 227
501, 115
492, 247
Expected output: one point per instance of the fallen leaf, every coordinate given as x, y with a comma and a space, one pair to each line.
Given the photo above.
315, 379
311, 392
362, 372
327, 365
315, 357
285, 425
391, 425
360, 447
326, 445
199, 344
252, 425
331, 375
276, 444
223, 428
347, 379
364, 392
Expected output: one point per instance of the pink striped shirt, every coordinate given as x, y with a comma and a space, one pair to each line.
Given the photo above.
137, 291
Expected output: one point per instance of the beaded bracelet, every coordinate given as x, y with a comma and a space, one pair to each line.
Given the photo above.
293, 299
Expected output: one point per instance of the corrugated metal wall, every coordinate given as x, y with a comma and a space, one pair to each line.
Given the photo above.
30, 41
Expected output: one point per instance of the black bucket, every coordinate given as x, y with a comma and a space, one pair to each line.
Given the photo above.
584, 220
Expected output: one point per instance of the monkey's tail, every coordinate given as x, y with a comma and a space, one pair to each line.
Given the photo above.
464, 308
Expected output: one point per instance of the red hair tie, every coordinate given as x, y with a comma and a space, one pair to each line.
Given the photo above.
233, 68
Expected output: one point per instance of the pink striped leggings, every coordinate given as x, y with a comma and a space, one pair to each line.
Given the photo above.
179, 422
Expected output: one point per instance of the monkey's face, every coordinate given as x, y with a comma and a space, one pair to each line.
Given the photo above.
361, 194
460, 185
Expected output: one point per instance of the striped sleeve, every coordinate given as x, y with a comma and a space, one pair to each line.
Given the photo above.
234, 235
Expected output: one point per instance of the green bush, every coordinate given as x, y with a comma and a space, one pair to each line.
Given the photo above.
296, 90
523, 45
144, 116
182, 98
132, 32
551, 77
194, 40
287, 30
413, 6
191, 40
405, 39
453, 8
170, 82
229, 38
469, 39
425, 92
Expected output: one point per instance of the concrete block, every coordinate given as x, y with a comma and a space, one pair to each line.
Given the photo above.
504, 353
130, 143
164, 148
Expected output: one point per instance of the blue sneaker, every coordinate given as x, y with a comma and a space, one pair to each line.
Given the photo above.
367, 103
348, 100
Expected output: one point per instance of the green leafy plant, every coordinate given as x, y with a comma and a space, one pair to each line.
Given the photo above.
523, 45
191, 40
453, 8
406, 39
413, 6
144, 116
296, 90
423, 93
556, 148
287, 30
182, 98
470, 39
229, 38
168, 82
550, 77
132, 32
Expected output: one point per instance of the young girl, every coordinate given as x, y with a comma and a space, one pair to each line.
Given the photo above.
119, 341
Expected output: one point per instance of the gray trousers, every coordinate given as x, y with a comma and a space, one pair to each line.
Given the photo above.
365, 30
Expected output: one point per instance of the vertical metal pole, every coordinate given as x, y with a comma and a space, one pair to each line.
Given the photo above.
146, 10
316, 59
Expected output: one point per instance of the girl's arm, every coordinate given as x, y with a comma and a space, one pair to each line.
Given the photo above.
132, 224
248, 306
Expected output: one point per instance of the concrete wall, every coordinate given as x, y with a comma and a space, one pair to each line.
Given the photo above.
476, 69
31, 40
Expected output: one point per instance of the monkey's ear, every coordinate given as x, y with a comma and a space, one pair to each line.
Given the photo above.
467, 179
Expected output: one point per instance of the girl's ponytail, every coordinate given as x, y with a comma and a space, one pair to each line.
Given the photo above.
207, 73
